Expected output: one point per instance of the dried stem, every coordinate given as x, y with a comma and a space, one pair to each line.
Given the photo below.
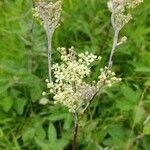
75, 131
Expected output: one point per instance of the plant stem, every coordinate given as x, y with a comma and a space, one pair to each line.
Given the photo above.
115, 39
49, 50
75, 132
115, 42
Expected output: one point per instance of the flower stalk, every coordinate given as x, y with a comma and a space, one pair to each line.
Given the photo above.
49, 16
115, 42
75, 131
49, 50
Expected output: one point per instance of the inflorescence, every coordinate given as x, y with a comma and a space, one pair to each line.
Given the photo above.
70, 87
48, 13
119, 9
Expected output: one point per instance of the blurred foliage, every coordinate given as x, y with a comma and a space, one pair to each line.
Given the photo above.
117, 120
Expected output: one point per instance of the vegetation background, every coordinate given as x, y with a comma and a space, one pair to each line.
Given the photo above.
118, 118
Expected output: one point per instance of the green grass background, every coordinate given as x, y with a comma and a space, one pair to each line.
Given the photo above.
114, 120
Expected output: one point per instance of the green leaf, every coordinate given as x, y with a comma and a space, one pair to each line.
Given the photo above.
147, 83
6, 103
146, 143
28, 135
61, 144
118, 135
19, 105
129, 93
1, 133
43, 144
55, 116
139, 113
52, 135
146, 129
35, 85
129, 99
91, 145
68, 121
40, 132
143, 69
4, 85
36, 93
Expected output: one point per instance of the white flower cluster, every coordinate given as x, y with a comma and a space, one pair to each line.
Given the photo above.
106, 78
119, 11
70, 87
48, 12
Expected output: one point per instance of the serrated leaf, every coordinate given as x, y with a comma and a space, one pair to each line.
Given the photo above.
35, 85
36, 93
6, 103
19, 105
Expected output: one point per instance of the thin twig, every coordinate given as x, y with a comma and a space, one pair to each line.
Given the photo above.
75, 131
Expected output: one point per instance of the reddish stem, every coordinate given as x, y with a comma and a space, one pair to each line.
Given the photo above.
75, 132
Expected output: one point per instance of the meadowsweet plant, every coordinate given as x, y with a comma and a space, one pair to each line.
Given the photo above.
69, 81
70, 86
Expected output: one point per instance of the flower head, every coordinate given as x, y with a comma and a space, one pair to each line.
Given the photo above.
70, 87
48, 13
119, 9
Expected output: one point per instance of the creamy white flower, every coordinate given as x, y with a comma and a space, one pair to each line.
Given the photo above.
43, 93
69, 87
43, 101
